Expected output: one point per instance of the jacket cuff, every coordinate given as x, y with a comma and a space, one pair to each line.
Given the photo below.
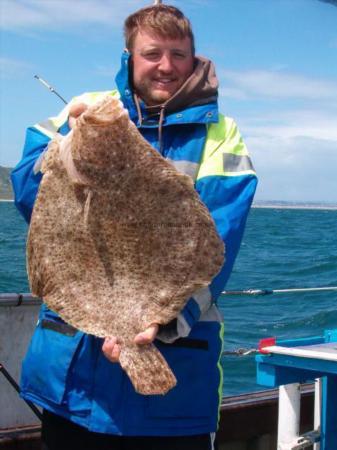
182, 325
38, 164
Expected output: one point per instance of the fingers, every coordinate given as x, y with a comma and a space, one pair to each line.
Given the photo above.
111, 349
147, 336
75, 111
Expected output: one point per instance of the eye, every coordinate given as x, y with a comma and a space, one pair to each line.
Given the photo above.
152, 56
179, 55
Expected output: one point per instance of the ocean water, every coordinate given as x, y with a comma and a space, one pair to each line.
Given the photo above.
282, 248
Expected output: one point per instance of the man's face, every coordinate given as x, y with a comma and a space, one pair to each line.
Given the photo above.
160, 66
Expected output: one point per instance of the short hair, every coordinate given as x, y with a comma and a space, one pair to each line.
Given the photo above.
162, 20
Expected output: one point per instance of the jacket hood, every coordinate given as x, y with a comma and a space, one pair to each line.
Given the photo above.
200, 88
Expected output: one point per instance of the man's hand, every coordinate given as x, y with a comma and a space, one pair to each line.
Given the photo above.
74, 112
112, 349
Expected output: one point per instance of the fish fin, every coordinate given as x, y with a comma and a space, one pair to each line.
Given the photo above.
147, 369
87, 208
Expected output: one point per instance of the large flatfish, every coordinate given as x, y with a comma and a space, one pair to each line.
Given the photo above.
119, 239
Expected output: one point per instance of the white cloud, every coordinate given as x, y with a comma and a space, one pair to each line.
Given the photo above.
295, 169
289, 125
276, 84
106, 71
295, 154
304, 123
232, 92
13, 68
24, 15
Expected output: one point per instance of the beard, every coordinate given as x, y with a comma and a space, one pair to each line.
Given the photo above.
153, 96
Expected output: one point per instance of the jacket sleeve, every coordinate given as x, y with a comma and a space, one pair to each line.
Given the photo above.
26, 176
226, 183
25, 179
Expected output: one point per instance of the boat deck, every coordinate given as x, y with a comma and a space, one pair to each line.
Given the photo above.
247, 422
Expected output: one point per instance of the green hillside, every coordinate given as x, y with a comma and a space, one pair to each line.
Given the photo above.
6, 192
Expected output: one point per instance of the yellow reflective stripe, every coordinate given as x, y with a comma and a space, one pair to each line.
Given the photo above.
50, 126
225, 153
92, 97
220, 391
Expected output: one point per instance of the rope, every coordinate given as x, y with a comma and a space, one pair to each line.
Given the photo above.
240, 352
278, 291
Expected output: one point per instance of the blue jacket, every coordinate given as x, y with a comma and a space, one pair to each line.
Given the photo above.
65, 370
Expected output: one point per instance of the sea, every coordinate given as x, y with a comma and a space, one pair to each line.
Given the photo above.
282, 249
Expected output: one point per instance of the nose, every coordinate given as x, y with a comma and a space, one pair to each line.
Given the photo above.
165, 63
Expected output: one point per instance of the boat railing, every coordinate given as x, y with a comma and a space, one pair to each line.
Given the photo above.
18, 299
27, 299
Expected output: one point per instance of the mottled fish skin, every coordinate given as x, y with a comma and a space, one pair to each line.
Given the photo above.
118, 238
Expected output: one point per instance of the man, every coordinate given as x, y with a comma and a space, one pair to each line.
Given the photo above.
88, 401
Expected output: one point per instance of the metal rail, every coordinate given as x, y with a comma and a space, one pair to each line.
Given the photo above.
18, 299
15, 300
255, 292
26, 299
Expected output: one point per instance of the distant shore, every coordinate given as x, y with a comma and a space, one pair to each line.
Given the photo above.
266, 205
295, 206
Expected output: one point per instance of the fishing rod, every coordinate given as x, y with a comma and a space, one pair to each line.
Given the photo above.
15, 385
254, 292
50, 88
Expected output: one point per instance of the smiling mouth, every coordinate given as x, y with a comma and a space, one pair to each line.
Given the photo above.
164, 82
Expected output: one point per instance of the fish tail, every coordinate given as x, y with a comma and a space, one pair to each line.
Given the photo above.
147, 369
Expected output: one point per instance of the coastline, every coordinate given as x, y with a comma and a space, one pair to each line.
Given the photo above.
295, 206
260, 205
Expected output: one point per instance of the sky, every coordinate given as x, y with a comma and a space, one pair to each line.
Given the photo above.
276, 61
